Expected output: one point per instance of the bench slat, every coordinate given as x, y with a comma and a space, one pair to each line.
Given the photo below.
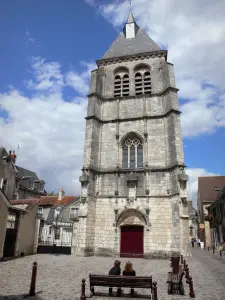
121, 281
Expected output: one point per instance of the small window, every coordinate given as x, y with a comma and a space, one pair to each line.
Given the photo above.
216, 188
50, 230
74, 213
41, 187
40, 210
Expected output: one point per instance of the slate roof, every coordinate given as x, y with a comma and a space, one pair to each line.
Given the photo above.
122, 46
206, 187
130, 18
24, 173
51, 215
53, 200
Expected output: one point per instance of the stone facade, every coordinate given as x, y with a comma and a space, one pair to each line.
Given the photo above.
152, 195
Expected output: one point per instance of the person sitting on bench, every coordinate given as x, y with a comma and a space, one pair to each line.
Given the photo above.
116, 270
128, 271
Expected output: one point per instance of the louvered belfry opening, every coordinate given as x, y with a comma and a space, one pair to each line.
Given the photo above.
142, 80
125, 86
121, 82
117, 86
138, 84
147, 83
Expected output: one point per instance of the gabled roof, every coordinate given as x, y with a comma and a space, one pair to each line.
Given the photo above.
207, 185
54, 200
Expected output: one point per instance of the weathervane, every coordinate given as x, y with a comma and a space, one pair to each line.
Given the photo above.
130, 3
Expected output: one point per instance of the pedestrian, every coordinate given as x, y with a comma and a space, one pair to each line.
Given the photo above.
192, 242
199, 242
115, 270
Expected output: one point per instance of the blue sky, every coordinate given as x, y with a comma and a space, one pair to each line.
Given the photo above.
47, 50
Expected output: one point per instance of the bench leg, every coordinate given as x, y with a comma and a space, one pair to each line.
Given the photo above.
92, 291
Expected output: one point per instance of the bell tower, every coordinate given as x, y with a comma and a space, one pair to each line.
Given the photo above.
133, 183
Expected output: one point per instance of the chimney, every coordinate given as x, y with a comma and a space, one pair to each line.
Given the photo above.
61, 194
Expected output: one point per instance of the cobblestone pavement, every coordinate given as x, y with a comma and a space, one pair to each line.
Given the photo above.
59, 277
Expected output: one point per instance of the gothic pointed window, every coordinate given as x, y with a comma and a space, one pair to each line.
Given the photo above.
142, 80
132, 152
121, 82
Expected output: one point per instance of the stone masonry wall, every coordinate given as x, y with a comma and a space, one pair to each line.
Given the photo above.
161, 235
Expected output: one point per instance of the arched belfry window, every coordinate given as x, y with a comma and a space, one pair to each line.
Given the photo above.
121, 82
142, 80
132, 148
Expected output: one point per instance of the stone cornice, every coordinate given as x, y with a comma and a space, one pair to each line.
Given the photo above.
106, 61
171, 111
136, 171
166, 90
139, 196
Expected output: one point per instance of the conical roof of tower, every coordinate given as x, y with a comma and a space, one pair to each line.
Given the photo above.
130, 18
123, 46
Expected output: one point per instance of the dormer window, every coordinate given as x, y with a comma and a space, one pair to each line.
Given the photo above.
121, 82
41, 186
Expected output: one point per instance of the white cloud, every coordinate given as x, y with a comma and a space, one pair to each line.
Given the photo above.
195, 34
79, 81
49, 131
193, 174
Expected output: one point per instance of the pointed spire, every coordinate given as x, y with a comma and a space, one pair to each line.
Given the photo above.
130, 28
131, 16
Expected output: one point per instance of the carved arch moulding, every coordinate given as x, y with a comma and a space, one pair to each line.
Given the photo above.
132, 216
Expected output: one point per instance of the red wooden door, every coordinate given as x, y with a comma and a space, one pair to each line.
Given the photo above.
131, 241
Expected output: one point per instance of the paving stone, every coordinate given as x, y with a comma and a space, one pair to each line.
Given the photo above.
59, 277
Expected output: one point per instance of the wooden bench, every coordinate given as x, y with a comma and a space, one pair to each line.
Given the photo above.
111, 281
175, 283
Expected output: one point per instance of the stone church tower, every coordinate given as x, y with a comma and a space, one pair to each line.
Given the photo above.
133, 197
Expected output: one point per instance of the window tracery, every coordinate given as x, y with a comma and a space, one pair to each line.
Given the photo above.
132, 152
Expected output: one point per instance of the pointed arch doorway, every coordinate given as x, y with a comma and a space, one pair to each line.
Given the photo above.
132, 241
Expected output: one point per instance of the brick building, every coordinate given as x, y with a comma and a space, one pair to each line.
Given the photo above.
133, 196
